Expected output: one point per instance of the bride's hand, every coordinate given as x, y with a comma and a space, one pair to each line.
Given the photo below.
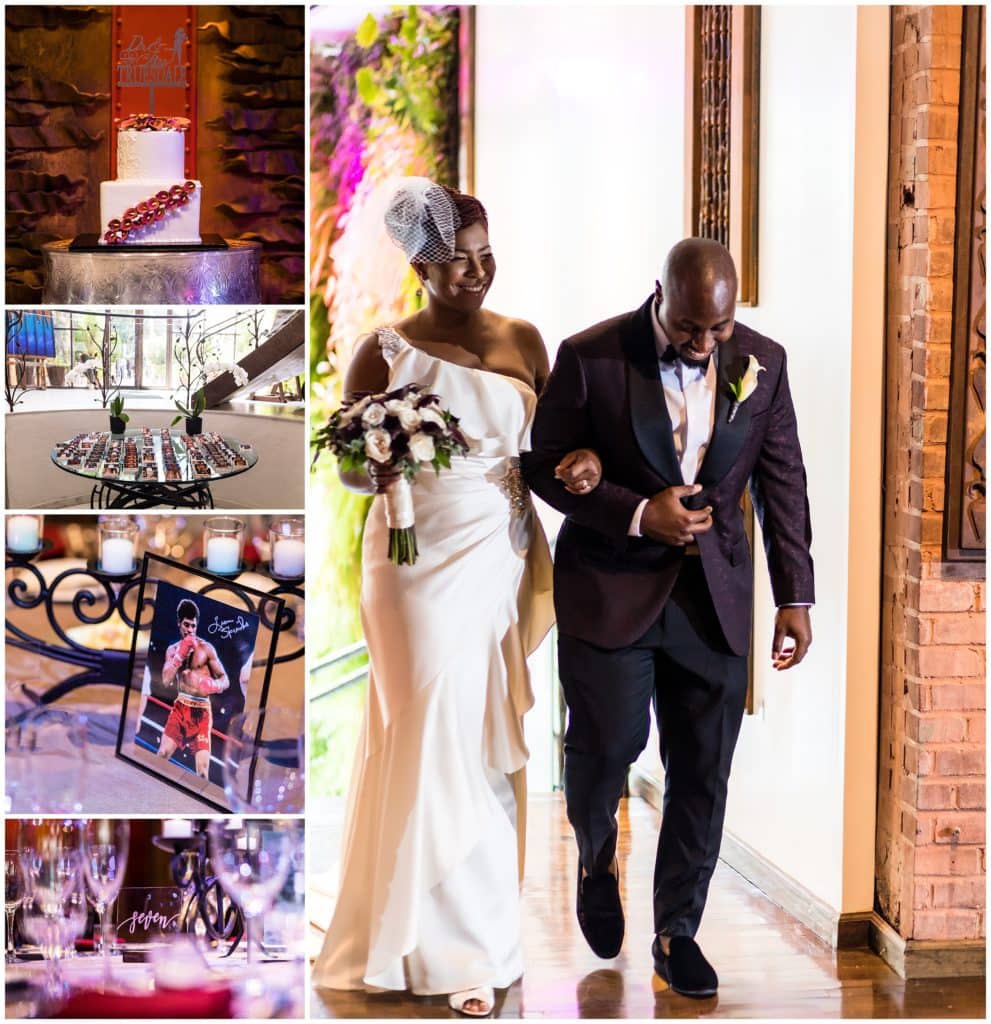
580, 471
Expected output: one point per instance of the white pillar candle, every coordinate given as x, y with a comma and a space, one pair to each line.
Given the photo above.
289, 558
22, 533
177, 828
118, 555
223, 554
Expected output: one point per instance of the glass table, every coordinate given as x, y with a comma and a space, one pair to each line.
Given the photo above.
143, 469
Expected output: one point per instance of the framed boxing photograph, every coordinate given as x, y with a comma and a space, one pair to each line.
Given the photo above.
211, 650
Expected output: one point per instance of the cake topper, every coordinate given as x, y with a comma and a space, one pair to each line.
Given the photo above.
153, 65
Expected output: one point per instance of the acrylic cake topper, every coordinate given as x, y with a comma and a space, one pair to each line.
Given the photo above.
153, 65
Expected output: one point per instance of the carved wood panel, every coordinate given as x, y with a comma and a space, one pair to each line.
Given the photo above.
722, 132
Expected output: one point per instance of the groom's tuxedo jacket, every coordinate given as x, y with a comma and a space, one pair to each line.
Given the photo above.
605, 393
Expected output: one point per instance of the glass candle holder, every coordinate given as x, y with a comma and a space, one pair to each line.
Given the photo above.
118, 544
24, 534
223, 537
286, 538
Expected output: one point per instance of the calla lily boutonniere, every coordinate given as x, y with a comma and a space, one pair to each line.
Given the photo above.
745, 386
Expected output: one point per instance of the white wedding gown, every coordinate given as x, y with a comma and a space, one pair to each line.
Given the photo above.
429, 888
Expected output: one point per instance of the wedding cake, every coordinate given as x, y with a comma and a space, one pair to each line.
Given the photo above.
151, 202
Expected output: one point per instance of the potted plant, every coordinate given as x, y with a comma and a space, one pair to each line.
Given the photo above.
118, 418
193, 413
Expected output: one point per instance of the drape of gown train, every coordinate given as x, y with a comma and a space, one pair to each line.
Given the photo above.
429, 888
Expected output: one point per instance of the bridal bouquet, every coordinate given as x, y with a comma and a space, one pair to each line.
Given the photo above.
402, 430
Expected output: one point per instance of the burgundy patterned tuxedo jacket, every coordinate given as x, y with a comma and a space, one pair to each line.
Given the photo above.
605, 393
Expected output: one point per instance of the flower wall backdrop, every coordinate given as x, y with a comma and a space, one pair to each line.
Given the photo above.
384, 103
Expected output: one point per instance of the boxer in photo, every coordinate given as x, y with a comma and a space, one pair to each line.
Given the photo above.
192, 666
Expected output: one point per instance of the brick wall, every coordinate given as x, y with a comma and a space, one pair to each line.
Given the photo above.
931, 793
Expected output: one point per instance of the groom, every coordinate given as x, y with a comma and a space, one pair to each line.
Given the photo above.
653, 579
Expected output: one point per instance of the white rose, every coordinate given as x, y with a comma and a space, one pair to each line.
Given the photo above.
431, 415
421, 447
373, 416
378, 445
409, 419
748, 382
395, 406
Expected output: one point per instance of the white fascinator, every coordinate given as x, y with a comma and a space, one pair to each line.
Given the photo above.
421, 219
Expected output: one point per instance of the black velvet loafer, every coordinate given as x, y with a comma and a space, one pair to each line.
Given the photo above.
600, 913
684, 968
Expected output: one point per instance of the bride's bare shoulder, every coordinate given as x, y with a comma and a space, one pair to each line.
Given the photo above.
367, 369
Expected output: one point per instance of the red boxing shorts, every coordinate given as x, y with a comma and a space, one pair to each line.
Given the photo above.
189, 725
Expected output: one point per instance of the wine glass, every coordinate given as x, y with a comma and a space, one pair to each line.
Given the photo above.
13, 896
46, 761
251, 858
105, 843
263, 762
54, 912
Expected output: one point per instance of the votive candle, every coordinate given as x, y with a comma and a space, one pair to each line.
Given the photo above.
118, 537
287, 540
222, 543
23, 534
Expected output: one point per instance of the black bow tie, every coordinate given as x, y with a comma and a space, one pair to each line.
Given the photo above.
671, 356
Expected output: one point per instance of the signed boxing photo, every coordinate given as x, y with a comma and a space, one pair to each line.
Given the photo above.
213, 644
196, 678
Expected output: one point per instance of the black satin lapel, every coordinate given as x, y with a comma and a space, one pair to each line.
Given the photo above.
727, 438
648, 410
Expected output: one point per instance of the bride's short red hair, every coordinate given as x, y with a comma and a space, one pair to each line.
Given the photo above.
470, 210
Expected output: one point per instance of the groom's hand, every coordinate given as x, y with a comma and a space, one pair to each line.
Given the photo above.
791, 623
666, 519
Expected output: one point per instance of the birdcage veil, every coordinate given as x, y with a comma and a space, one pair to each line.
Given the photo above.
422, 219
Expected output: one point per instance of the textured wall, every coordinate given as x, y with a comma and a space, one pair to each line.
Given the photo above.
931, 821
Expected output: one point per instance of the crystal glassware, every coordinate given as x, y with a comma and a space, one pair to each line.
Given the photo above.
13, 896
46, 760
251, 858
54, 911
105, 843
263, 762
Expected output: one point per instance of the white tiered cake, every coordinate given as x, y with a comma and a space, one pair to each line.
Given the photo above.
151, 202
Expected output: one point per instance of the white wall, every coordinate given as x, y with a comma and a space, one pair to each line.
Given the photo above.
579, 155
579, 125
578, 151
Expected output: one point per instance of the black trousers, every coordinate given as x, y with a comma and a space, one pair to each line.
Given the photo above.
698, 688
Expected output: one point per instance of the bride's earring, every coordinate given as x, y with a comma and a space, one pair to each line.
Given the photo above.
419, 293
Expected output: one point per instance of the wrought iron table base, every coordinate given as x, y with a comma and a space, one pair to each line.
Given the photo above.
119, 494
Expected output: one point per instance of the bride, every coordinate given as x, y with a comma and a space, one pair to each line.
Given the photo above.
429, 889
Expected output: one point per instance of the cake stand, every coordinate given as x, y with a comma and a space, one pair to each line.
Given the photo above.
127, 275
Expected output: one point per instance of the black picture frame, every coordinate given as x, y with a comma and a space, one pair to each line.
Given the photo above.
270, 612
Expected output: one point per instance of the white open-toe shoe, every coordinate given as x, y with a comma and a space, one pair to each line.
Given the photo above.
457, 1001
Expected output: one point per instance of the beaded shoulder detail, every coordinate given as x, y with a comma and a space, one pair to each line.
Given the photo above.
391, 343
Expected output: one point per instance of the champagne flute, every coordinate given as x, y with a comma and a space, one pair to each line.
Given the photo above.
263, 762
252, 858
104, 848
46, 759
13, 896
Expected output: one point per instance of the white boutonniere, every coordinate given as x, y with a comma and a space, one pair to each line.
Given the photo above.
745, 386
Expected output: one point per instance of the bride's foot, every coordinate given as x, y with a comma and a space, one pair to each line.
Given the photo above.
473, 1002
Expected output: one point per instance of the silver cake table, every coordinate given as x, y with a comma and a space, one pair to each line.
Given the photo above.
129, 276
